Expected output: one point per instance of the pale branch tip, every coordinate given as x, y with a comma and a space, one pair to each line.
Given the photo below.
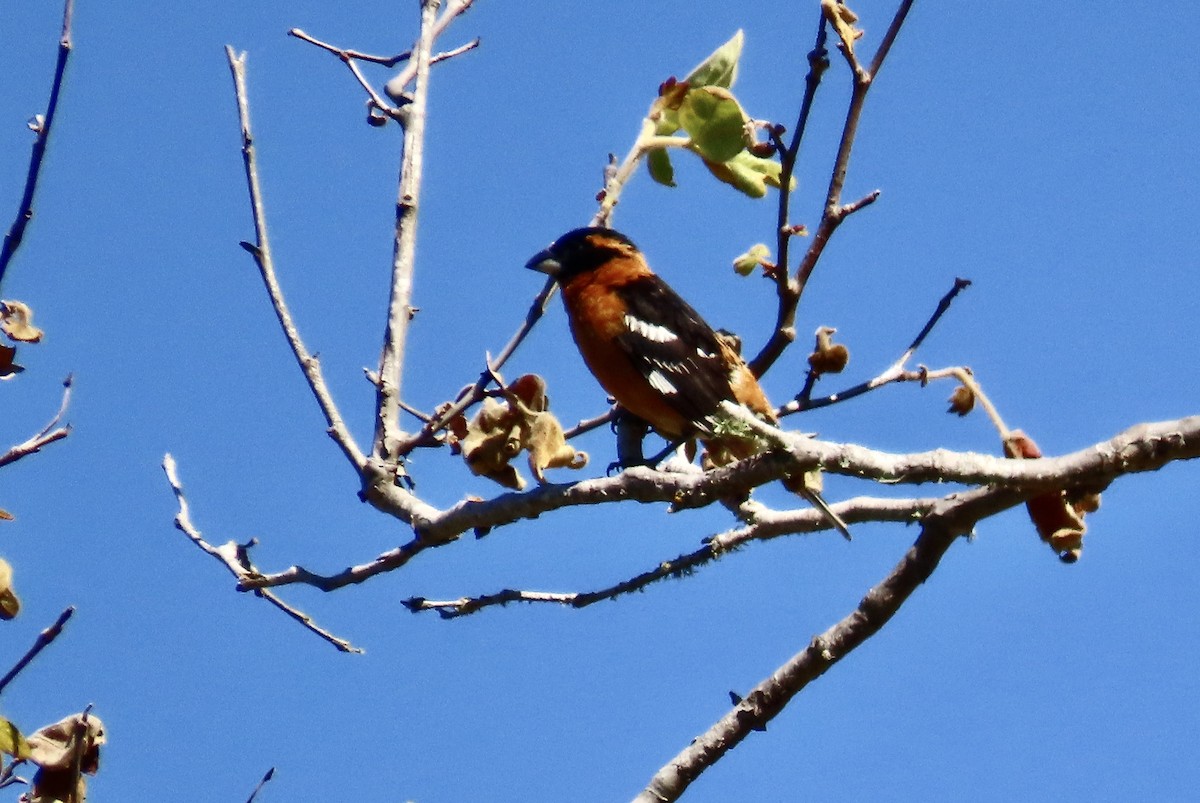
48, 434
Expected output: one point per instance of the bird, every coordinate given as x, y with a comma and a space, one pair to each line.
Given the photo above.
652, 352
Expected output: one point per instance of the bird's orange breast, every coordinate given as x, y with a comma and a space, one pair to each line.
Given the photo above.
597, 317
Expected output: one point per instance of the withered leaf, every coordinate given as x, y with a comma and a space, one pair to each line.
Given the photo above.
16, 319
54, 746
962, 401
492, 439
548, 448
842, 19
502, 429
1058, 522
828, 357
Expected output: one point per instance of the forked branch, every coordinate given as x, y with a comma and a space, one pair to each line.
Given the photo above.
236, 558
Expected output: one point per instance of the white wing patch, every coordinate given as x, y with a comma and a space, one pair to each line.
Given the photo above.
661, 383
650, 331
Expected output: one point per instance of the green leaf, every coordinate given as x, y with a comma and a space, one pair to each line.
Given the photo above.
720, 68
11, 740
714, 120
748, 173
745, 264
659, 164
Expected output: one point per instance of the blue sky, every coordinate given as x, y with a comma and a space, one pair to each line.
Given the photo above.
1045, 151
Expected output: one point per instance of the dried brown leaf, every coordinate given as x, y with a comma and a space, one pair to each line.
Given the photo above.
502, 429
548, 448
492, 439
54, 746
962, 401
828, 357
842, 19
1058, 523
16, 319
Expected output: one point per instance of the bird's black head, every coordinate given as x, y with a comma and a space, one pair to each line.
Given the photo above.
580, 251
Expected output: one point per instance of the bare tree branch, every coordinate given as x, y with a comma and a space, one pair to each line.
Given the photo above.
41, 126
896, 372
44, 640
398, 85
1145, 447
48, 434
235, 557
400, 310
939, 530
765, 524
818, 63
261, 251
474, 393
834, 211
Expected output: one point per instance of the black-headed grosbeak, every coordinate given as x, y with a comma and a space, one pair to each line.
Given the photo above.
649, 349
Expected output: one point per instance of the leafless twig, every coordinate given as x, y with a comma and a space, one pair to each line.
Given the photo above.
48, 434
834, 212
261, 251
766, 524
235, 557
400, 311
41, 126
896, 372
267, 777
940, 529
398, 85
44, 640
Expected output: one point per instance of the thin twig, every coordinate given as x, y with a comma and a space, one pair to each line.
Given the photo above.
44, 640
47, 435
345, 54
398, 85
236, 559
889, 38
834, 212
350, 59
588, 424
818, 63
767, 524
261, 251
41, 126
474, 393
896, 372
267, 777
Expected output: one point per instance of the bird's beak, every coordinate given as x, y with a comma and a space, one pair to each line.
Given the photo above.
544, 262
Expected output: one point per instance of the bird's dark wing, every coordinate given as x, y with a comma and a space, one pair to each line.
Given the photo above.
675, 350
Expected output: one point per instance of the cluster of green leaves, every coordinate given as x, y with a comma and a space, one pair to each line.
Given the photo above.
718, 129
